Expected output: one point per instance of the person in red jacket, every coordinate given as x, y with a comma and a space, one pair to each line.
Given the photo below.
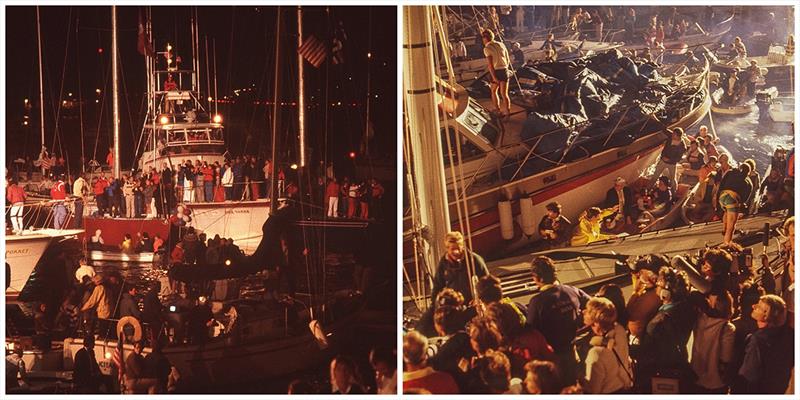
58, 193
177, 256
99, 190
16, 196
418, 377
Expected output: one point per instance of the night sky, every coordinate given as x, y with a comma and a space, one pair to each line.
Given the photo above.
245, 47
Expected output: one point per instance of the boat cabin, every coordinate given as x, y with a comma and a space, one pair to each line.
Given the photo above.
179, 127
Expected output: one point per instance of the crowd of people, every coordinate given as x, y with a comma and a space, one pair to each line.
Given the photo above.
158, 192
564, 340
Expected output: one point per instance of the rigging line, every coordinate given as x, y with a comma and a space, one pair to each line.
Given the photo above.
463, 214
127, 105
369, 94
56, 131
80, 87
100, 116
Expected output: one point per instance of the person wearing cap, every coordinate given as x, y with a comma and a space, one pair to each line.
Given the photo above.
671, 154
620, 195
739, 49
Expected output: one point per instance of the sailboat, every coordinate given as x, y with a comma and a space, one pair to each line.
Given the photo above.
261, 338
444, 195
178, 127
24, 249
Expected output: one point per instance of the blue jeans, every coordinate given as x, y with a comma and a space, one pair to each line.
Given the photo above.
59, 215
209, 186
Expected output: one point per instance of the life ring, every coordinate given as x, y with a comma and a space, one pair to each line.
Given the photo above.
137, 327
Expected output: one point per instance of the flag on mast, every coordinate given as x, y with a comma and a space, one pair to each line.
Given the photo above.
144, 45
314, 51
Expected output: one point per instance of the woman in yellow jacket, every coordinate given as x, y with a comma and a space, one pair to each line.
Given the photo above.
588, 229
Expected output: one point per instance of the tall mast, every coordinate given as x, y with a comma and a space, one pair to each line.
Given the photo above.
275, 115
423, 123
41, 79
301, 109
116, 89
216, 99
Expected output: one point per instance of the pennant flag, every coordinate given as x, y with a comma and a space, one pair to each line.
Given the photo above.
143, 44
314, 51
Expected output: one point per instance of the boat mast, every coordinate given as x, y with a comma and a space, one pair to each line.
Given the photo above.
116, 89
41, 79
275, 115
425, 138
301, 109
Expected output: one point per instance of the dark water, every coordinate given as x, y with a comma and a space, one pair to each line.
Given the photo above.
747, 137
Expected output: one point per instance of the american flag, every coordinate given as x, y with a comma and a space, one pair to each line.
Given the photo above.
314, 51
118, 359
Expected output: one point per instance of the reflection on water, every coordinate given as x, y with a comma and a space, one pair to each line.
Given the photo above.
747, 137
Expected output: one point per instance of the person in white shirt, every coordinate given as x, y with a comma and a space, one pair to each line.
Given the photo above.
498, 61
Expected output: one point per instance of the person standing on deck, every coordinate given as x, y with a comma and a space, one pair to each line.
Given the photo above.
80, 189
127, 191
498, 62
59, 193
734, 189
227, 181
208, 182
332, 195
671, 154
16, 196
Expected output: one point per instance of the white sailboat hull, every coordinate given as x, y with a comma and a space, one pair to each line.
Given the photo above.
23, 252
240, 221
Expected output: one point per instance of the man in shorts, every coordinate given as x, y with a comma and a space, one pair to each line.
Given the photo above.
734, 189
498, 62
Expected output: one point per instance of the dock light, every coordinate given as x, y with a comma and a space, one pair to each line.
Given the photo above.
69, 94
209, 98
228, 263
169, 61
217, 119
64, 102
169, 47
352, 154
108, 355
99, 50
293, 166
173, 308
164, 120
25, 123
369, 55
97, 90
26, 101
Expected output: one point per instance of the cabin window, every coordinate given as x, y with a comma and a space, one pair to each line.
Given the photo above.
468, 150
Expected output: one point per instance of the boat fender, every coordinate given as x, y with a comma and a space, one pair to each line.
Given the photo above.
526, 212
506, 220
132, 321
